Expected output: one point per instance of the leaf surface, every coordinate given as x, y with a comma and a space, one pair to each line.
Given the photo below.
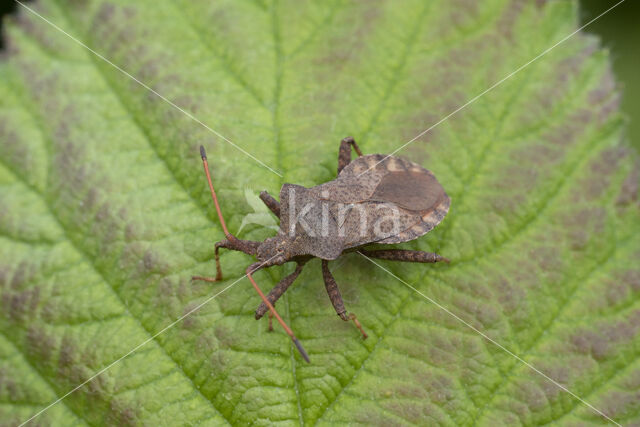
105, 214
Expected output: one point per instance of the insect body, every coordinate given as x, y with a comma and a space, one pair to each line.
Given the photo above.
374, 199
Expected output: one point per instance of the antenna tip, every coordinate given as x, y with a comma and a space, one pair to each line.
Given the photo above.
303, 353
203, 153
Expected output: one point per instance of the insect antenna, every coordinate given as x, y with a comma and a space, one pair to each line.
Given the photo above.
252, 267
250, 270
203, 154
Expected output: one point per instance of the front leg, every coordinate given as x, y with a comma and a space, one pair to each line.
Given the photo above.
272, 204
249, 247
344, 154
405, 255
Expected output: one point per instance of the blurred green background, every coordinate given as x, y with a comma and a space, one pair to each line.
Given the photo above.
619, 32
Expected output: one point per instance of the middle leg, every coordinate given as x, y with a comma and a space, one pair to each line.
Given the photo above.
336, 299
278, 290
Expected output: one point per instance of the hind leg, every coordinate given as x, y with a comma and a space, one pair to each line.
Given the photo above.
344, 154
336, 299
405, 255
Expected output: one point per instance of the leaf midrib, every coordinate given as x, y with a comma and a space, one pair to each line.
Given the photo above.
276, 125
583, 156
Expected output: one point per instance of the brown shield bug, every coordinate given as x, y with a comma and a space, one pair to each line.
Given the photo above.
374, 199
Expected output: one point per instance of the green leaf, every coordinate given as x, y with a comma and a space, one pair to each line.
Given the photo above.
260, 215
105, 214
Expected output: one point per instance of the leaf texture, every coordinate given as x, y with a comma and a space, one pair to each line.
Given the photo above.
105, 214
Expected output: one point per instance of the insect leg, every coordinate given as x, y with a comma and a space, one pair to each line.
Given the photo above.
278, 290
344, 154
252, 269
246, 246
218, 278
336, 299
272, 204
405, 255
231, 242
